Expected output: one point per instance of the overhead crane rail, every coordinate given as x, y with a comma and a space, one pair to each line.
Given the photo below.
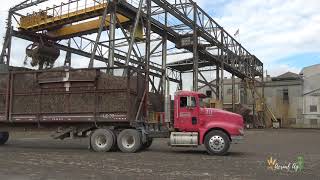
58, 20
45, 19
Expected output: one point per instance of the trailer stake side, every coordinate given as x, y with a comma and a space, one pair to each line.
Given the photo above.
110, 110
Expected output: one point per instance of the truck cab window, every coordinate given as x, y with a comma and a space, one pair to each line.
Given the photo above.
193, 102
184, 102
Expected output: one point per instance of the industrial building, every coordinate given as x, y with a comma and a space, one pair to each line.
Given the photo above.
311, 97
294, 99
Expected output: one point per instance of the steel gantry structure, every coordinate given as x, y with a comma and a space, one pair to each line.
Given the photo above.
136, 33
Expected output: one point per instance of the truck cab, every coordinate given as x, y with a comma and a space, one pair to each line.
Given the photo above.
196, 125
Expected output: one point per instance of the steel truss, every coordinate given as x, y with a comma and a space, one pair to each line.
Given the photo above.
177, 24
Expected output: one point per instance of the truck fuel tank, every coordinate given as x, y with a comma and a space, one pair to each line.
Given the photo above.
184, 139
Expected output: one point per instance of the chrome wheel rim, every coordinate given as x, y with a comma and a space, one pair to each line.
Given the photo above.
101, 141
216, 143
128, 141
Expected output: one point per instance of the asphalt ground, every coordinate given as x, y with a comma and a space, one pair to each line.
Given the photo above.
36, 156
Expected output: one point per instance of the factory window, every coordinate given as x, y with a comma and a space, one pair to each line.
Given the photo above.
313, 108
285, 95
209, 93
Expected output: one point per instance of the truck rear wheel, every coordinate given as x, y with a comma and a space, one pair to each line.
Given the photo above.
102, 140
217, 143
129, 141
4, 136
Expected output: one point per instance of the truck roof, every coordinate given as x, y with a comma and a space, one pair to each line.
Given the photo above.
188, 93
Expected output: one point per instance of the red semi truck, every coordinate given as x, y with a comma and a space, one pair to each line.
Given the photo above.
110, 110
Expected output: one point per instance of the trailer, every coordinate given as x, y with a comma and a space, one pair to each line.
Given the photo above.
115, 112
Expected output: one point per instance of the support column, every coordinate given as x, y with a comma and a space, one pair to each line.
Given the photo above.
180, 82
147, 55
217, 83
253, 106
263, 100
222, 83
245, 93
6, 49
233, 93
164, 58
222, 58
195, 50
67, 61
112, 30
165, 82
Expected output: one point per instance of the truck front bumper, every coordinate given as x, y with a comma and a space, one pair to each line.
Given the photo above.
236, 139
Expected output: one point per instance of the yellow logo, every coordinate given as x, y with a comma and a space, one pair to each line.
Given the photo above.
271, 163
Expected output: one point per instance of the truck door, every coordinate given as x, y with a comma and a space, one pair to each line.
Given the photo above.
188, 113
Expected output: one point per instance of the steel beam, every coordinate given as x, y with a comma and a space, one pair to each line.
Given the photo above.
195, 50
112, 31
154, 69
26, 4
102, 24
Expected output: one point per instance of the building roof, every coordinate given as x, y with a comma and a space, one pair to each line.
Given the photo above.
310, 70
287, 76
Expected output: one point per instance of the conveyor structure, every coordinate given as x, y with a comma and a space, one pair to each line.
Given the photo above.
132, 33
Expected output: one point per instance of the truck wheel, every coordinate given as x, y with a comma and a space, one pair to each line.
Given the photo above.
147, 144
4, 136
102, 140
217, 143
129, 141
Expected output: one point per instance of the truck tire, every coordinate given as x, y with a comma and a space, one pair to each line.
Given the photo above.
217, 143
129, 141
147, 144
4, 136
115, 146
102, 140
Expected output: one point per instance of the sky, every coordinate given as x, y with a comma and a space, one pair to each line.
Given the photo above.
283, 34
